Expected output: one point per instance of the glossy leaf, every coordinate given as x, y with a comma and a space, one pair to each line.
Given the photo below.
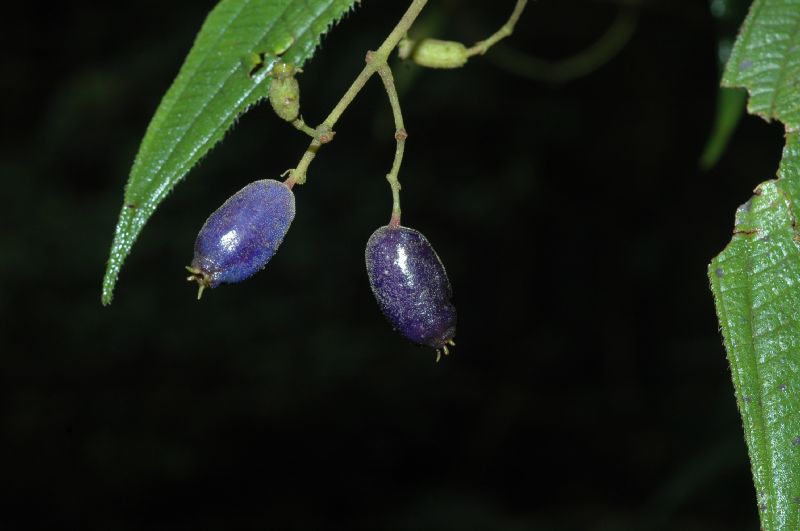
756, 279
756, 284
766, 61
224, 74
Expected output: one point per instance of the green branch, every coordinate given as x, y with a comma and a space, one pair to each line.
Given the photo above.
374, 61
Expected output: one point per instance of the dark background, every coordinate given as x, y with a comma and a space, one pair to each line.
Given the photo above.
589, 388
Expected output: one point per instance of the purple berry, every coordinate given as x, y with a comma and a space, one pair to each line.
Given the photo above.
241, 236
411, 286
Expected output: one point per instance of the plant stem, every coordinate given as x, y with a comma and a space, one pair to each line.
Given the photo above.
300, 125
583, 63
507, 29
400, 136
375, 60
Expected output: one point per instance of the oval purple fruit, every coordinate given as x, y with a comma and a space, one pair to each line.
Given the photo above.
240, 237
411, 286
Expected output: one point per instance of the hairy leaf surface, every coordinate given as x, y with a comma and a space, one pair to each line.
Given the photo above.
756, 279
765, 60
756, 285
226, 71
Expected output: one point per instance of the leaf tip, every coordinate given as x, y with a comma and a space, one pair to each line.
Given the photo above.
128, 227
107, 295
109, 280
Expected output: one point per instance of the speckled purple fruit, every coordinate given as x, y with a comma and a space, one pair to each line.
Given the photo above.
411, 286
242, 235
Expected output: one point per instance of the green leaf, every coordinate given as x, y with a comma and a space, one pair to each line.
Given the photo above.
756, 285
730, 107
728, 16
765, 60
224, 74
756, 279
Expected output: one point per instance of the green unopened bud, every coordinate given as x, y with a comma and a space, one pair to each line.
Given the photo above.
284, 91
434, 53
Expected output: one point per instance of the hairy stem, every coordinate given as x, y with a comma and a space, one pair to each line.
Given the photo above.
400, 136
300, 125
375, 60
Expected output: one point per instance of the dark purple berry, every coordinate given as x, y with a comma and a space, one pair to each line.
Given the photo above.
241, 236
411, 286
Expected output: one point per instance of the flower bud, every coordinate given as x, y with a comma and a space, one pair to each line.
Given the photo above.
284, 92
434, 53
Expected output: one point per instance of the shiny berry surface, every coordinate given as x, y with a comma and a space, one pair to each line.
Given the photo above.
242, 235
411, 285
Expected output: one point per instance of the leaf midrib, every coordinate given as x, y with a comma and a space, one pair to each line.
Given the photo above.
217, 89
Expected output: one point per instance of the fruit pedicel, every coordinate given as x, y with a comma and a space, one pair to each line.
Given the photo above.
406, 275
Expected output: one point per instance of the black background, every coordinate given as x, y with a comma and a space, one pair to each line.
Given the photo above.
589, 388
